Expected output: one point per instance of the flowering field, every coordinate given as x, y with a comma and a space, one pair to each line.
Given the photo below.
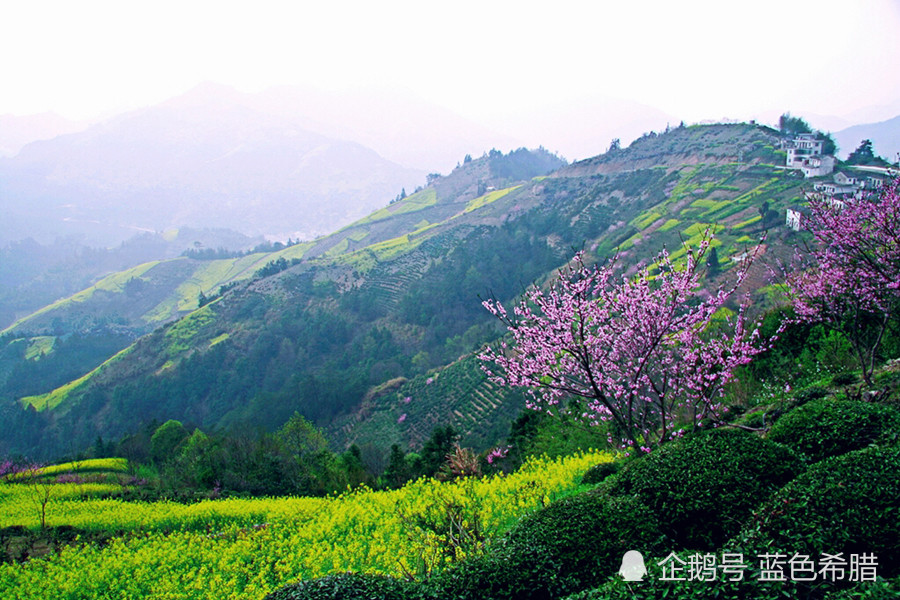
245, 548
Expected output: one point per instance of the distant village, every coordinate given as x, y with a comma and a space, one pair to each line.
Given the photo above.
805, 152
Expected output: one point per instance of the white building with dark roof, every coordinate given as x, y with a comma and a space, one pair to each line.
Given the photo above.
805, 151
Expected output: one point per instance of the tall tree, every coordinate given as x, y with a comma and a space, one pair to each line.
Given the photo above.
647, 353
397, 472
830, 147
437, 448
166, 439
789, 125
863, 155
712, 264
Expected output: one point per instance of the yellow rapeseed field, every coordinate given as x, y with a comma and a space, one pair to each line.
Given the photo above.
245, 548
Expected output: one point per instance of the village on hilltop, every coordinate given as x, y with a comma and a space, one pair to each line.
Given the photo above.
806, 153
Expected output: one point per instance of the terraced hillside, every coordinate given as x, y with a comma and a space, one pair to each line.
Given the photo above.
458, 394
345, 328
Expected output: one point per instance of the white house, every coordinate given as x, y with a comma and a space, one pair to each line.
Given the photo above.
806, 152
817, 166
801, 148
844, 179
795, 216
831, 188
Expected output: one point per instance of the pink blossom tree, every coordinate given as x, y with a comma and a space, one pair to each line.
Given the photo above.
851, 283
648, 353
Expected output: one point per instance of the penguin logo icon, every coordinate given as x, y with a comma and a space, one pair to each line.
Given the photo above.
633, 568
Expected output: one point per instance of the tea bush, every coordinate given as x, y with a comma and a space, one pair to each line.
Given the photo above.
848, 503
598, 473
703, 487
573, 544
824, 428
344, 586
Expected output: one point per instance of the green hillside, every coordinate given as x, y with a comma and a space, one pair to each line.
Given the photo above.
142, 297
397, 295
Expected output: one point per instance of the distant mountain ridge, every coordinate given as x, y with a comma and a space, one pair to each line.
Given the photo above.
395, 123
885, 137
212, 163
18, 131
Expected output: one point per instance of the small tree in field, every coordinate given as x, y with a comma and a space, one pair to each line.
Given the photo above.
853, 283
648, 353
40, 489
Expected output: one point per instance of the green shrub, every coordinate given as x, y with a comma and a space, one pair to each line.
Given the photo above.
844, 379
598, 473
813, 392
755, 418
344, 586
703, 487
573, 544
848, 503
653, 588
875, 590
486, 576
824, 428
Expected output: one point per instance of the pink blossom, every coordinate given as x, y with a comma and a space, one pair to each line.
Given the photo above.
644, 351
402, 418
497, 454
850, 281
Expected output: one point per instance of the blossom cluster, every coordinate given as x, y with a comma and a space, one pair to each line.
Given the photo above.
853, 282
649, 353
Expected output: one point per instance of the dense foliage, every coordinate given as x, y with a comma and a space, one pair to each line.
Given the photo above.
858, 491
344, 586
826, 427
853, 283
702, 488
570, 545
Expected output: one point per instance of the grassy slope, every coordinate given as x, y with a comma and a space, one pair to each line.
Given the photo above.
208, 276
52, 399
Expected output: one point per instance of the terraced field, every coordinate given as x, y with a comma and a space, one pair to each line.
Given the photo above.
459, 394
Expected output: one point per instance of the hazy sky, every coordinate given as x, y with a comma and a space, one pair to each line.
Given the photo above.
695, 60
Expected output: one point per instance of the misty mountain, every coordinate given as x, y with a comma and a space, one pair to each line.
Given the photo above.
885, 136
202, 160
17, 131
395, 123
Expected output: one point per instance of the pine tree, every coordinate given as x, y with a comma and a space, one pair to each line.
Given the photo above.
712, 264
